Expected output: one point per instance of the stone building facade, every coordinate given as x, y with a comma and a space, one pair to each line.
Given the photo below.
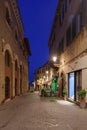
44, 75
14, 51
68, 41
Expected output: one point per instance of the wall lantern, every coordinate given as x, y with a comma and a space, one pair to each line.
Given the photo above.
46, 72
54, 58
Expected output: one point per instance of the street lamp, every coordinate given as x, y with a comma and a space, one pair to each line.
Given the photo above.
54, 58
46, 72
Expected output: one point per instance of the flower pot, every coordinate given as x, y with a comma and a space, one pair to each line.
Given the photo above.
82, 103
65, 97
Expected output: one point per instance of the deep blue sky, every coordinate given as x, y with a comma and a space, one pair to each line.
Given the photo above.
37, 17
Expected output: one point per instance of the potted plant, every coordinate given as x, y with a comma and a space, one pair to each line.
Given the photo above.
65, 92
81, 96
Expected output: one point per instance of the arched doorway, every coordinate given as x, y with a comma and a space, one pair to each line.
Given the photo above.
7, 87
7, 74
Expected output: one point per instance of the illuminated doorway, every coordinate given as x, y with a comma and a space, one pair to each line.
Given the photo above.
75, 84
72, 86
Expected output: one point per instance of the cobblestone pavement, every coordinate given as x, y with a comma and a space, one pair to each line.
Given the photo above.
31, 112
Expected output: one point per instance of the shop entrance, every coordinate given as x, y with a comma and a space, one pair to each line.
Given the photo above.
75, 84
71, 85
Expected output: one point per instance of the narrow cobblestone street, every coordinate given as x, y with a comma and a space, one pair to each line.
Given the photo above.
31, 112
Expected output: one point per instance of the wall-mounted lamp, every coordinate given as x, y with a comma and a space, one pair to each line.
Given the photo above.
46, 72
54, 58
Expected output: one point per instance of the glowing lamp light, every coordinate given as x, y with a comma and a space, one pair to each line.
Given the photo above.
54, 58
46, 72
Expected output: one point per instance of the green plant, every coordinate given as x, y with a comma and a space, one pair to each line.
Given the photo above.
82, 94
65, 91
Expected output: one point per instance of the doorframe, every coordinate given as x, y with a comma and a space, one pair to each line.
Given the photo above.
74, 85
75, 96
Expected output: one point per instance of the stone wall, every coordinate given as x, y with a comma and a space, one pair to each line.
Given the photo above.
15, 48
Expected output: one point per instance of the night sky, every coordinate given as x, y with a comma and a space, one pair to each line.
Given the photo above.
37, 17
